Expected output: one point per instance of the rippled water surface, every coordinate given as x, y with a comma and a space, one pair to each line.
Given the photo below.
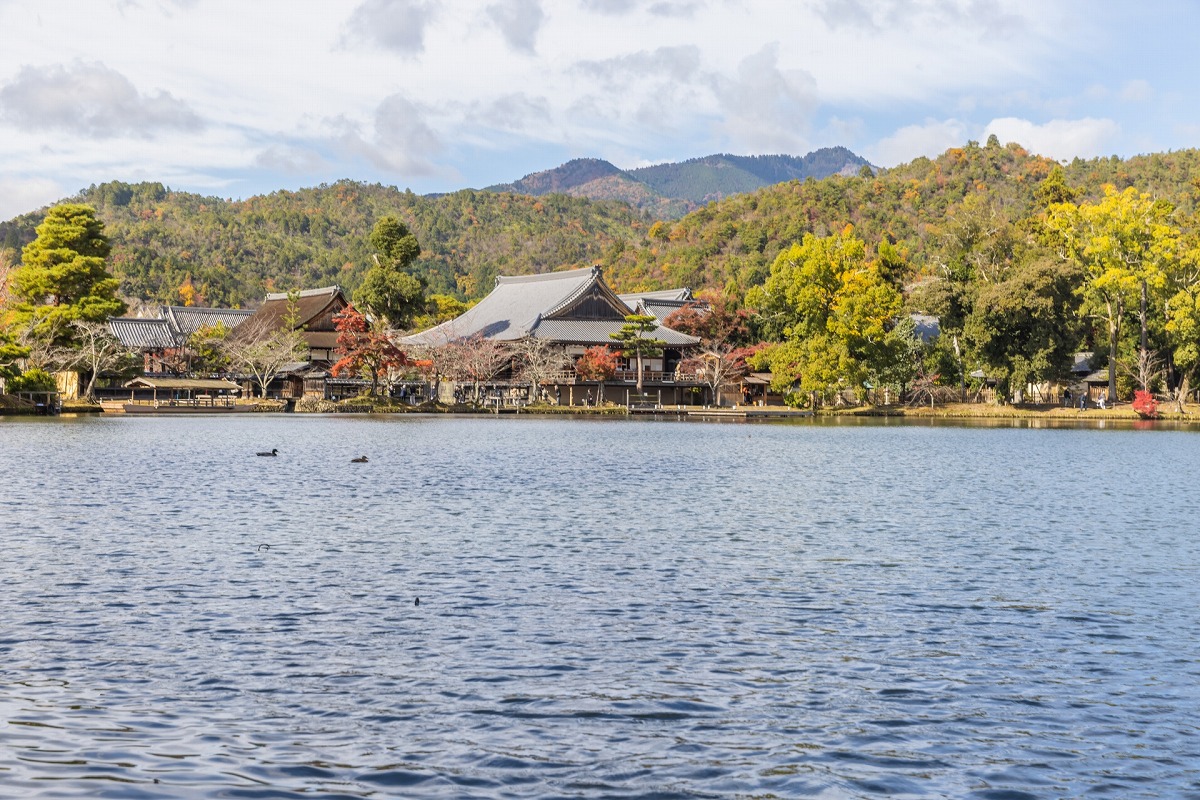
607, 609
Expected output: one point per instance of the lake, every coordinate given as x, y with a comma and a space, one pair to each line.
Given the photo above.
608, 608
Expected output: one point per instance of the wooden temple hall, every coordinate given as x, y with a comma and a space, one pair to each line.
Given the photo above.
162, 341
576, 310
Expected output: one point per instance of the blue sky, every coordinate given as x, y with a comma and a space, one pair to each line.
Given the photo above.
235, 98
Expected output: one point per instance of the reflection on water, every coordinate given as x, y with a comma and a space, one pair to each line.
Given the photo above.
608, 609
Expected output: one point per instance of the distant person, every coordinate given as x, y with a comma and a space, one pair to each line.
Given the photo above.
1067, 398
1082, 401
1104, 400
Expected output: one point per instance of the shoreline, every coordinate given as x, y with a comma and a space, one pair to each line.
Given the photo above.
952, 411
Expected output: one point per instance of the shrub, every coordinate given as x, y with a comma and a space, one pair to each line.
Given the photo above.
32, 380
1145, 405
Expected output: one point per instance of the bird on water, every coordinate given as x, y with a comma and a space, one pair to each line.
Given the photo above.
359, 460
274, 452
417, 602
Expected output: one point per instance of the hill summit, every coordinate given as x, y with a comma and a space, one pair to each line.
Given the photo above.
668, 191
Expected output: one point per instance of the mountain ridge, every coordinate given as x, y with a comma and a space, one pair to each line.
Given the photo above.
672, 189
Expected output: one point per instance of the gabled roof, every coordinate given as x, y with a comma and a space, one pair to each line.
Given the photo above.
189, 319
136, 333
661, 309
660, 304
575, 306
172, 326
682, 295
311, 304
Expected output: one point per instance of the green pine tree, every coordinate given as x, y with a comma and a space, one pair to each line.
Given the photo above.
63, 275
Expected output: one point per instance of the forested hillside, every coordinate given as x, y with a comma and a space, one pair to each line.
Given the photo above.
230, 252
914, 206
174, 246
700, 180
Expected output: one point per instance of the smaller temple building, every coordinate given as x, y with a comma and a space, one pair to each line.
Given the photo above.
162, 340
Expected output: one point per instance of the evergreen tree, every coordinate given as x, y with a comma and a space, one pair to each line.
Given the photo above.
633, 341
390, 292
11, 351
63, 277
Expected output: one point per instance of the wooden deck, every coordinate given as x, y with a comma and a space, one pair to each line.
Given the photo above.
741, 412
749, 412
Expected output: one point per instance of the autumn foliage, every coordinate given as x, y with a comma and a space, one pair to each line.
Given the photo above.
362, 351
1145, 405
597, 363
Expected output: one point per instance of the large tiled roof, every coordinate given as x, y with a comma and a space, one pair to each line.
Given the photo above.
143, 334
661, 309
512, 310
544, 307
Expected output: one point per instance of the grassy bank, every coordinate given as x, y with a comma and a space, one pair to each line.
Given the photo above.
1025, 411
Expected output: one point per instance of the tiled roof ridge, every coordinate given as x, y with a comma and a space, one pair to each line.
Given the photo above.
210, 309
329, 290
547, 276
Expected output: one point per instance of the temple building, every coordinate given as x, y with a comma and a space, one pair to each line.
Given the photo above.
576, 310
162, 340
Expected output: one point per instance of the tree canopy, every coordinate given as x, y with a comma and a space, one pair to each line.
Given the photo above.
63, 276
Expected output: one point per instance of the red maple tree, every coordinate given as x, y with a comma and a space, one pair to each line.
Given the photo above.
363, 351
1145, 405
597, 363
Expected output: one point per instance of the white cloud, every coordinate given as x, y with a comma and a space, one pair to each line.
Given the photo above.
979, 17
1058, 138
679, 9
1136, 91
516, 112
610, 6
433, 88
290, 159
519, 21
842, 131
766, 108
928, 139
21, 195
403, 142
396, 25
90, 100
679, 64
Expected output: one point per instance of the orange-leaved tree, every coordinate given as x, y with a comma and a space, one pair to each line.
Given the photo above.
597, 363
364, 352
